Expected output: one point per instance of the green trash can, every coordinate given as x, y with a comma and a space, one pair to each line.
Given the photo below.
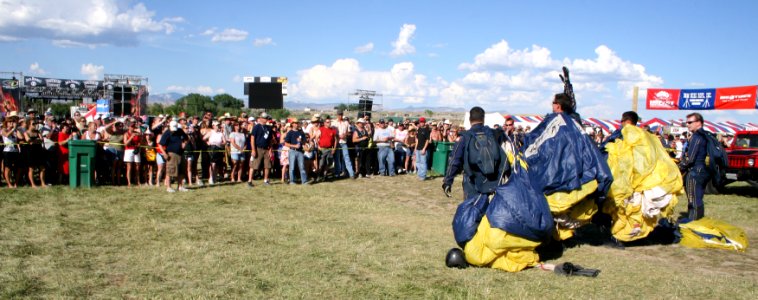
81, 163
440, 157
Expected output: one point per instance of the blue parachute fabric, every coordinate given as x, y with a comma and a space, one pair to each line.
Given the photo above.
562, 158
467, 218
518, 208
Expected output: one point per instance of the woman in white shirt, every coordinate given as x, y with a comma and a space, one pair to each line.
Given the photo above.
237, 146
216, 142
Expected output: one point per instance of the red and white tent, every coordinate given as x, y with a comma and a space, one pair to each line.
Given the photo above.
735, 125
732, 127
655, 122
526, 120
717, 128
608, 126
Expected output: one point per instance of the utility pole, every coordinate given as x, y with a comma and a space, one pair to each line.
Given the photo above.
635, 98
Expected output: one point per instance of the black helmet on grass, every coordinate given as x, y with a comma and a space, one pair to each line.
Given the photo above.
456, 259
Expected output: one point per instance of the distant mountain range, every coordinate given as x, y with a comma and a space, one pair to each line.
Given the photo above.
164, 99
295, 105
170, 98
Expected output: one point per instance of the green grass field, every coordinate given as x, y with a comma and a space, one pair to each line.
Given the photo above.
374, 238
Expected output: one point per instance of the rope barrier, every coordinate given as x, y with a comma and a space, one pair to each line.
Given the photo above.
199, 151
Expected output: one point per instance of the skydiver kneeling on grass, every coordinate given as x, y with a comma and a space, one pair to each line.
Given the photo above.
645, 187
497, 225
483, 162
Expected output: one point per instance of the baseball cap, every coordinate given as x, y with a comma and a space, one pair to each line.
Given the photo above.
360, 120
422, 119
250, 119
381, 121
264, 115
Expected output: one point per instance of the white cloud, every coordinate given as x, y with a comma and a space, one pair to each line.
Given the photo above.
501, 56
92, 71
237, 78
323, 82
507, 75
35, 69
200, 89
229, 35
523, 81
73, 44
209, 31
86, 22
261, 42
365, 48
402, 46
6, 38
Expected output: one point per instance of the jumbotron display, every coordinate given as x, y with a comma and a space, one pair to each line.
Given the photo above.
265, 92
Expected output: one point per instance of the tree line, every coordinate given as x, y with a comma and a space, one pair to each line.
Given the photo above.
197, 104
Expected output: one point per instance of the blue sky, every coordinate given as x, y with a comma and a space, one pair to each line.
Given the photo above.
502, 55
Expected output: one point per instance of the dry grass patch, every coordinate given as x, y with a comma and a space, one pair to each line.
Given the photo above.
373, 238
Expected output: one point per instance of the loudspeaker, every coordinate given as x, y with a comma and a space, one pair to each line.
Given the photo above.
365, 105
122, 108
122, 100
247, 88
265, 95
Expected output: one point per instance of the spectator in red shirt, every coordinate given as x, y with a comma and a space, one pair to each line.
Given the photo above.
326, 145
64, 136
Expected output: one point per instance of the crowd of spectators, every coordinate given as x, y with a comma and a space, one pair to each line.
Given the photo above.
207, 149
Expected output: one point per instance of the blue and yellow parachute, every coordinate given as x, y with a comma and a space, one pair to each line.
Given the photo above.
646, 185
553, 180
568, 168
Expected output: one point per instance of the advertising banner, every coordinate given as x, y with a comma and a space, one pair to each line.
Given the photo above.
697, 99
103, 106
662, 99
741, 97
10, 96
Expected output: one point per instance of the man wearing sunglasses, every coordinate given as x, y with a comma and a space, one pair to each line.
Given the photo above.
514, 139
693, 167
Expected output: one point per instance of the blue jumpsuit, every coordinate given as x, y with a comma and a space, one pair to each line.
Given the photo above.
697, 174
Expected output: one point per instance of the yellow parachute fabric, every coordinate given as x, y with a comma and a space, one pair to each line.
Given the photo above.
711, 233
493, 247
572, 209
646, 183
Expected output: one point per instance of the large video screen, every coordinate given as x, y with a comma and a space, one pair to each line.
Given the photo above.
265, 95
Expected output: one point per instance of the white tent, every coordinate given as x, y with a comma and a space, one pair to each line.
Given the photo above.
490, 120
